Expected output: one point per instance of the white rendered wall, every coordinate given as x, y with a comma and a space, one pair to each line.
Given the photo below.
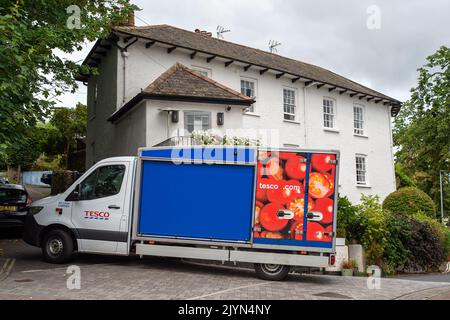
144, 65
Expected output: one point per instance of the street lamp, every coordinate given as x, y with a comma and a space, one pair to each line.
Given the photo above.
442, 194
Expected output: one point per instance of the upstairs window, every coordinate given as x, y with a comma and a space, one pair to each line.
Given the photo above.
289, 104
361, 170
358, 120
329, 113
248, 88
202, 71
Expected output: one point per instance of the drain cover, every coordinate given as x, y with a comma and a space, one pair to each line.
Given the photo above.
332, 295
23, 280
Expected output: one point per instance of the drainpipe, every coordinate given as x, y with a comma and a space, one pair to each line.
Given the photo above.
391, 143
124, 54
124, 71
305, 113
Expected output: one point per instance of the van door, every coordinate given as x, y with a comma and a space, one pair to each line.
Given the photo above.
98, 204
295, 200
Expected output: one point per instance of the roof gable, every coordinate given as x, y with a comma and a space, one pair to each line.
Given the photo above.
183, 82
179, 83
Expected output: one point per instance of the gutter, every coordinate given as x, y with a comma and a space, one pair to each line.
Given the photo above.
305, 113
144, 95
393, 101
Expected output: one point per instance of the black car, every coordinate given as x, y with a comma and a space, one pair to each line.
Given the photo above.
14, 200
46, 178
4, 180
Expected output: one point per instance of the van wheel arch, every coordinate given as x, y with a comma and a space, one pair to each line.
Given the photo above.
58, 227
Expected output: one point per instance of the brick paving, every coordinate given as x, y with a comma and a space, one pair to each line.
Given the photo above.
157, 278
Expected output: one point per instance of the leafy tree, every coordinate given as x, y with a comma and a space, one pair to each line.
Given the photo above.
24, 152
31, 72
422, 128
70, 125
402, 178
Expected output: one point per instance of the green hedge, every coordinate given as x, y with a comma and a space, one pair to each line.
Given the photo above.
409, 201
394, 241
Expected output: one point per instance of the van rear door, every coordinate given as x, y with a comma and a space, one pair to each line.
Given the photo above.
296, 197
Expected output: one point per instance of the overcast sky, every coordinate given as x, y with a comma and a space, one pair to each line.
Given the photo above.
378, 43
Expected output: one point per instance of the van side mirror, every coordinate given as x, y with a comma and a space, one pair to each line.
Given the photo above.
74, 195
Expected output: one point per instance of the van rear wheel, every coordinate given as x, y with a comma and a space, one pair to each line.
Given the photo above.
272, 272
57, 246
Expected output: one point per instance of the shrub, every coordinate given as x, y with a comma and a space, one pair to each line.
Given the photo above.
347, 219
374, 233
426, 245
349, 264
394, 241
447, 243
409, 201
396, 253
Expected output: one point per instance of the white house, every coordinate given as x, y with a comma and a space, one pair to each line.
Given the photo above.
156, 83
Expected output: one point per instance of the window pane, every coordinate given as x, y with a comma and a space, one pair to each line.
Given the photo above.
360, 170
289, 104
197, 120
248, 89
328, 113
87, 187
358, 120
109, 180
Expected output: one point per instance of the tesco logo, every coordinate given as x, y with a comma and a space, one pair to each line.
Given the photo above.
97, 214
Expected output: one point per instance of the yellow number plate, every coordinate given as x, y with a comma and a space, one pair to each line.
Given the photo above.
8, 208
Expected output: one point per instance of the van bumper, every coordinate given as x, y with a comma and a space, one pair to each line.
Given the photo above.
32, 231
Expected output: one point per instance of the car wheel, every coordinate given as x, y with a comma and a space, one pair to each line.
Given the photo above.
272, 272
57, 246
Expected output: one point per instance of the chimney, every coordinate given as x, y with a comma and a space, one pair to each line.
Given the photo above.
203, 32
127, 21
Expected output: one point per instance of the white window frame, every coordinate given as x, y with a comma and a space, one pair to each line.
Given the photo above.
201, 113
332, 116
359, 131
290, 116
251, 109
203, 71
361, 170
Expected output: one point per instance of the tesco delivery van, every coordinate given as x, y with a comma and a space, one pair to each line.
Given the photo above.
273, 208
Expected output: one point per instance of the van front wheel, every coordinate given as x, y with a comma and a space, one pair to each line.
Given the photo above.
272, 272
57, 246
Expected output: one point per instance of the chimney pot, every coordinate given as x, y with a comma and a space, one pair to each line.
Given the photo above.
203, 32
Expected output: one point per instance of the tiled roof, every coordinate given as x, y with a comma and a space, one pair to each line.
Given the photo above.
198, 42
179, 83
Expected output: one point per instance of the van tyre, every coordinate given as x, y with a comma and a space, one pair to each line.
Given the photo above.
272, 272
57, 246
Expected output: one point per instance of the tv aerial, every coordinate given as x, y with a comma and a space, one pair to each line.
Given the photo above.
273, 44
220, 31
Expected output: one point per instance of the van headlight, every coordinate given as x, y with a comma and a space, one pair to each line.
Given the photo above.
34, 210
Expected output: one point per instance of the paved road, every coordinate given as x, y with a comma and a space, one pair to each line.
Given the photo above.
434, 277
37, 192
109, 277
25, 276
